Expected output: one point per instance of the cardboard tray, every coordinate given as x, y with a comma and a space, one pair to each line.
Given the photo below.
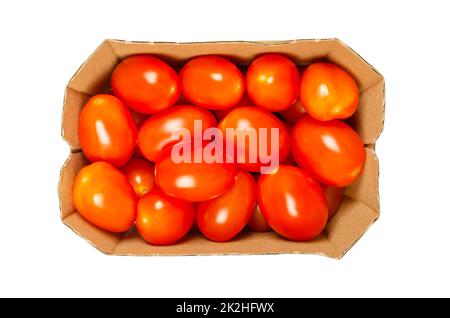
361, 204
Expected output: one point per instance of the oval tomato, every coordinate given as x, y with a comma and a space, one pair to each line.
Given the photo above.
273, 82
247, 119
222, 218
106, 130
145, 83
104, 197
162, 220
141, 175
328, 92
257, 223
212, 82
334, 196
331, 151
156, 132
292, 203
189, 180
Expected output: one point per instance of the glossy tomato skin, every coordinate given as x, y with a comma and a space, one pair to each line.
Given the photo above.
141, 175
328, 92
145, 83
163, 220
104, 197
192, 181
212, 82
273, 82
242, 118
257, 223
334, 197
222, 218
106, 130
292, 203
331, 151
156, 132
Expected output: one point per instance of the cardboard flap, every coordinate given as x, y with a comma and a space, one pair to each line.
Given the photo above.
301, 51
70, 169
246, 243
349, 224
93, 76
103, 240
368, 119
74, 101
365, 188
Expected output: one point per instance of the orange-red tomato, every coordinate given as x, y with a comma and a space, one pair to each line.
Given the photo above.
334, 197
330, 150
212, 82
189, 180
106, 130
145, 83
222, 218
328, 92
163, 220
292, 203
257, 223
273, 82
156, 132
241, 119
141, 175
104, 197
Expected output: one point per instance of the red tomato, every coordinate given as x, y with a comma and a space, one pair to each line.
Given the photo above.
106, 130
222, 218
141, 175
292, 203
156, 132
334, 197
328, 92
145, 83
273, 82
189, 180
162, 220
104, 197
243, 118
139, 119
212, 82
257, 223
294, 112
331, 151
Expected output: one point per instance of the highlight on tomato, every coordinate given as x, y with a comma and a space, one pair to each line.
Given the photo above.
163, 220
222, 218
104, 197
292, 203
141, 174
330, 150
273, 82
145, 83
157, 132
212, 82
106, 130
328, 92
194, 172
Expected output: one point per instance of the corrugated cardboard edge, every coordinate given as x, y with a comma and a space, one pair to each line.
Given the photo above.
112, 251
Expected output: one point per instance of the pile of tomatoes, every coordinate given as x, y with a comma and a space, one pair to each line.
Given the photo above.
133, 179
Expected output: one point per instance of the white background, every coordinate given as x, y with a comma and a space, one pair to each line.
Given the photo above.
406, 253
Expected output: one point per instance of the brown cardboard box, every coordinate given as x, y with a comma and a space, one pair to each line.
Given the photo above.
361, 204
